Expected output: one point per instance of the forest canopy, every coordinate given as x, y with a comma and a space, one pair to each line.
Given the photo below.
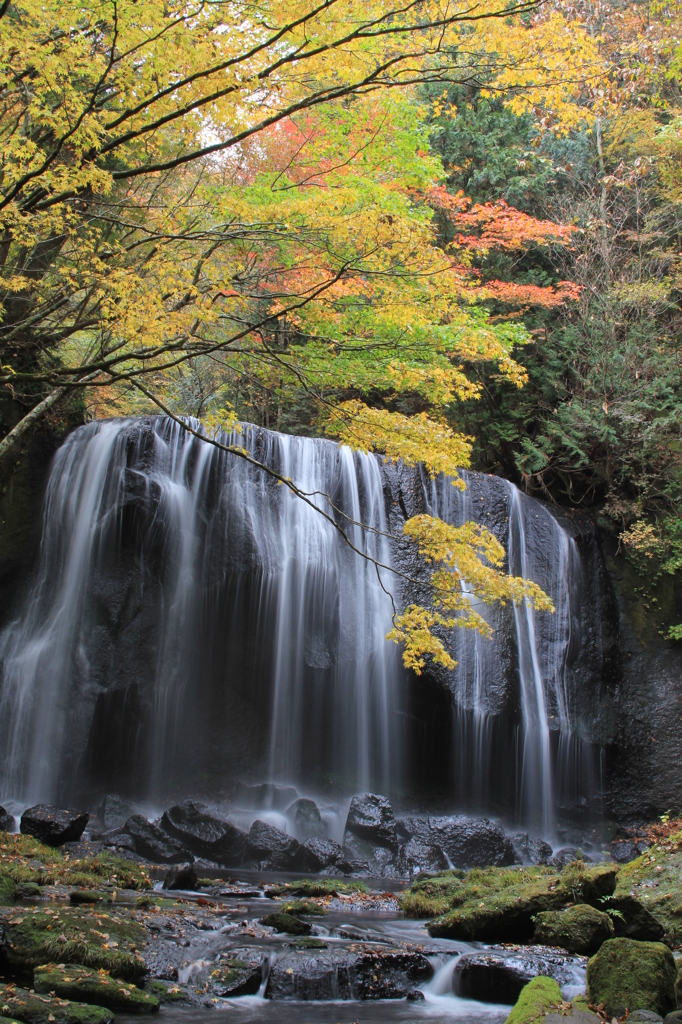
444, 231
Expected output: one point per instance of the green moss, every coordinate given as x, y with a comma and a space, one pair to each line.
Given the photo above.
29, 891
8, 888
629, 975
166, 993
286, 923
308, 942
100, 939
579, 929
500, 904
537, 998
316, 887
298, 907
32, 1008
26, 860
8, 1020
89, 896
655, 879
96, 987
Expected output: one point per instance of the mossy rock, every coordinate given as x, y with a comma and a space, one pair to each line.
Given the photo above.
655, 880
167, 993
316, 887
238, 973
500, 905
298, 907
630, 975
27, 860
90, 986
537, 999
8, 1020
105, 939
678, 984
287, 923
31, 1008
309, 942
29, 891
579, 929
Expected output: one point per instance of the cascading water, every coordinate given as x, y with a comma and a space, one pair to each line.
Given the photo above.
208, 525
191, 624
543, 552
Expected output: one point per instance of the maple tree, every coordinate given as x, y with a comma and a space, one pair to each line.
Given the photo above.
251, 186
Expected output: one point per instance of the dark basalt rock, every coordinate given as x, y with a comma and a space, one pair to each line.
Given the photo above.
566, 855
318, 854
530, 850
270, 847
498, 977
149, 841
289, 924
468, 842
364, 973
634, 921
113, 812
305, 816
628, 850
181, 876
6, 821
266, 796
53, 825
363, 857
371, 817
417, 856
204, 834
238, 972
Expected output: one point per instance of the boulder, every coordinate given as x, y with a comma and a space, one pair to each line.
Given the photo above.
31, 1008
499, 976
566, 855
318, 854
96, 987
629, 849
370, 817
537, 999
673, 1018
237, 972
114, 811
181, 876
204, 834
363, 857
53, 825
306, 819
630, 975
634, 921
467, 842
149, 841
289, 924
579, 929
6, 821
366, 972
417, 857
270, 847
644, 1017
529, 850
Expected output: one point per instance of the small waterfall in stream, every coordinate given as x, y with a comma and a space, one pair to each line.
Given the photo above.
190, 624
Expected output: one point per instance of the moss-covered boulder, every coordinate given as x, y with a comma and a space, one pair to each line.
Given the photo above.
630, 975
287, 923
89, 986
579, 929
31, 1008
299, 907
81, 896
237, 973
106, 939
537, 999
8, 888
501, 905
654, 880
168, 992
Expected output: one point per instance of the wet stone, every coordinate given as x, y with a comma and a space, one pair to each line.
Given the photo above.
6, 821
306, 819
363, 973
417, 856
318, 854
181, 876
95, 987
498, 976
149, 841
270, 847
31, 1008
238, 972
53, 825
205, 834
370, 817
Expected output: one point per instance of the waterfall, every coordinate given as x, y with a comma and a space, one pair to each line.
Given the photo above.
538, 548
153, 535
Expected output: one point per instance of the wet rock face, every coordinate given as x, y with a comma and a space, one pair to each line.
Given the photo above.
53, 825
467, 842
306, 819
181, 876
204, 834
529, 850
371, 817
418, 856
366, 973
147, 840
237, 972
498, 977
6, 821
318, 854
270, 848
628, 849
